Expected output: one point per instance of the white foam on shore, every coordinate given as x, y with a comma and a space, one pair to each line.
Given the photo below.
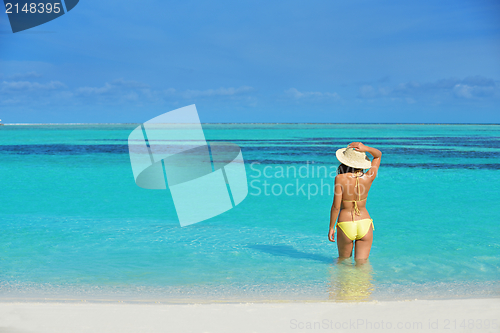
230, 293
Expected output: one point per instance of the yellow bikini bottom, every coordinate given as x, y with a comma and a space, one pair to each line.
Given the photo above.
356, 229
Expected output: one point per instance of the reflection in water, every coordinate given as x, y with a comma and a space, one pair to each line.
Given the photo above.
351, 281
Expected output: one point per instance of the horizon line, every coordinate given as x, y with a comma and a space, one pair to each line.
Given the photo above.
259, 123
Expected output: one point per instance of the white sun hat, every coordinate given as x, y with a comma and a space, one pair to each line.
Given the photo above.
353, 158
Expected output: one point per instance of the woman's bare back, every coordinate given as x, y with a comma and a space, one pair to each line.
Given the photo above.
350, 194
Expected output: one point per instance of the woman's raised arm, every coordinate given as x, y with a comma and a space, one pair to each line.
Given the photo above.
377, 155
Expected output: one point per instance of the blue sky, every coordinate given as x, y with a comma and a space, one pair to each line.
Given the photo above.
257, 61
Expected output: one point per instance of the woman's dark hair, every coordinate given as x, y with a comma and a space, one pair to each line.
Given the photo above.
345, 169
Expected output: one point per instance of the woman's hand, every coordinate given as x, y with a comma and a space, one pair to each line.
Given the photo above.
358, 146
331, 235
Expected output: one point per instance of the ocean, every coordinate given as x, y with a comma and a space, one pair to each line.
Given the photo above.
74, 225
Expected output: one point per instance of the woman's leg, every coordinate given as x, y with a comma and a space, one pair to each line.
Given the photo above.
363, 246
344, 244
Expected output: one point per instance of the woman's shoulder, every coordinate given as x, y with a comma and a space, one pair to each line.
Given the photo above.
367, 177
340, 178
343, 178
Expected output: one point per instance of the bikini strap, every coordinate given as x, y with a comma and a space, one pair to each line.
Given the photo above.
356, 208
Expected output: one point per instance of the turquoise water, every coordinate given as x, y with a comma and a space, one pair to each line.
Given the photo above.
74, 223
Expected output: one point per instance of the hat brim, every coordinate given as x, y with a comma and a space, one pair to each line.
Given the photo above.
353, 164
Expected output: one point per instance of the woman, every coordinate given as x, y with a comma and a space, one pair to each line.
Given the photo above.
351, 190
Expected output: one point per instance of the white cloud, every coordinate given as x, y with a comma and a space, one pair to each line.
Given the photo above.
467, 91
462, 90
115, 86
215, 92
293, 92
20, 76
470, 87
114, 92
94, 90
25, 86
367, 91
133, 90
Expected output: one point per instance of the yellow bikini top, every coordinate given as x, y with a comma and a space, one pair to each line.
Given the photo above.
356, 209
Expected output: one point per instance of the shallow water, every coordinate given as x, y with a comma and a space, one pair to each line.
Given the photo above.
74, 222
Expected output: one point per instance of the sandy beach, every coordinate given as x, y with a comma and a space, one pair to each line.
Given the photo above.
460, 315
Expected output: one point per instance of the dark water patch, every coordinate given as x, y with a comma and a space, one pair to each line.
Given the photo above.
315, 151
117, 140
461, 141
63, 149
441, 153
274, 151
458, 141
335, 143
489, 166
284, 162
485, 166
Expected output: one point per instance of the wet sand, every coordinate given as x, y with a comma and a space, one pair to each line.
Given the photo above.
459, 315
